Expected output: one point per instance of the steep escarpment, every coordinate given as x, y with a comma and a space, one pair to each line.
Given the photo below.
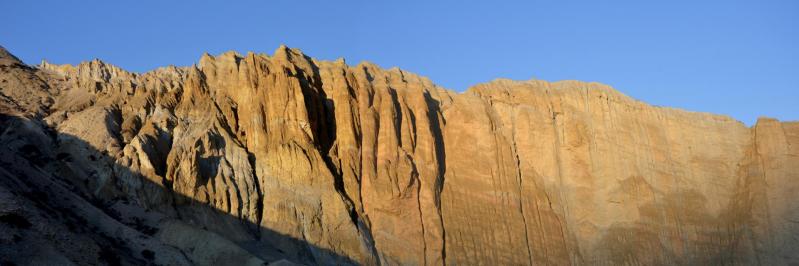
262, 158
595, 177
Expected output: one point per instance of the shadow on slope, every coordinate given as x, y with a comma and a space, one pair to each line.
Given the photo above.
62, 205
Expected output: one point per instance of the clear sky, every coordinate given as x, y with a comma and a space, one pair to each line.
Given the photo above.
739, 58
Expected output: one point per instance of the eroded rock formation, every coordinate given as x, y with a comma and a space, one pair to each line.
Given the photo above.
255, 158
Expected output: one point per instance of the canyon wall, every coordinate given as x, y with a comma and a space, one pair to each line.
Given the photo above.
319, 162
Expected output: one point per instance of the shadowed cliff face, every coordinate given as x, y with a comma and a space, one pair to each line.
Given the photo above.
53, 212
261, 158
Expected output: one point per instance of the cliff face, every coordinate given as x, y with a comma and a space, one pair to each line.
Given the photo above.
259, 158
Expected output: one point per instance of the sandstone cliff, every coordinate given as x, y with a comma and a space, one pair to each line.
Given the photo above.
256, 158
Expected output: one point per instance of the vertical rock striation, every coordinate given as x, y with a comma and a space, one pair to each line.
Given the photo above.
285, 156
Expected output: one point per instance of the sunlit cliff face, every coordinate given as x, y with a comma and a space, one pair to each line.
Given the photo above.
256, 158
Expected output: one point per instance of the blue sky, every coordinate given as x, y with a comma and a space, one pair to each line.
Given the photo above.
739, 58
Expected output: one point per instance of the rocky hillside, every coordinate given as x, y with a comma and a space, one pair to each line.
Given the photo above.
254, 159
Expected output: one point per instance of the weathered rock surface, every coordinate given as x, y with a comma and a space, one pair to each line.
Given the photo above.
246, 159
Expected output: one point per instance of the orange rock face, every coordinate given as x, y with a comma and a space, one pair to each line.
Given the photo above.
288, 157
